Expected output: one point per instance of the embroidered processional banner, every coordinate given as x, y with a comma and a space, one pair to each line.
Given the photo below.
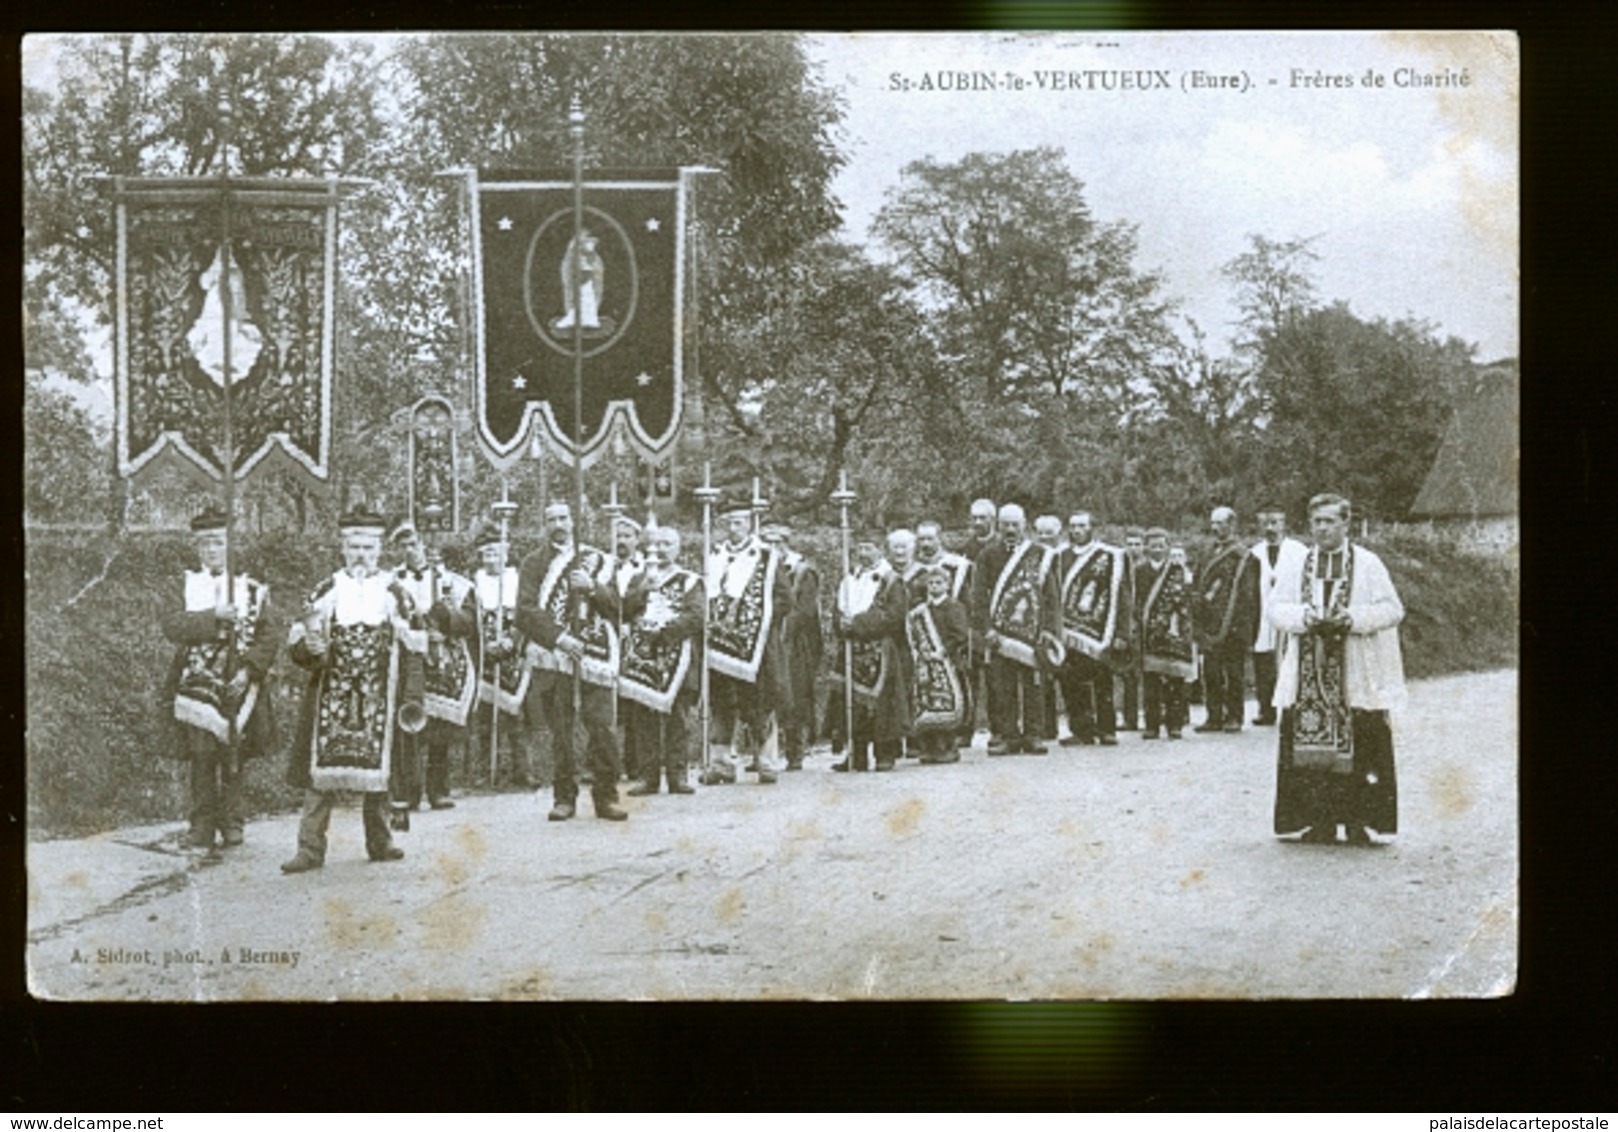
624, 264
225, 285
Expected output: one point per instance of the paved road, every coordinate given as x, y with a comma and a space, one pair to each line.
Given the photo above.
1145, 870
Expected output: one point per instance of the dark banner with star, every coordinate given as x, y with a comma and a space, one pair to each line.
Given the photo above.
624, 264
205, 299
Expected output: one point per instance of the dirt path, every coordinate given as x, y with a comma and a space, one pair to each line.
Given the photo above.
1141, 871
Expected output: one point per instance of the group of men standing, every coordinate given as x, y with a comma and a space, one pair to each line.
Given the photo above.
400, 662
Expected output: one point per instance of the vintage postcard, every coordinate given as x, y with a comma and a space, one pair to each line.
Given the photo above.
772, 516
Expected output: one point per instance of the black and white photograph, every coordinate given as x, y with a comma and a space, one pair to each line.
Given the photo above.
767, 516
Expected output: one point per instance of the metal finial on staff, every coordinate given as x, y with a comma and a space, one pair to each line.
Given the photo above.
844, 498
503, 510
708, 494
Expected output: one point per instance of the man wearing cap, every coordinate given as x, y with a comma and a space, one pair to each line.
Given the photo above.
662, 649
796, 646
443, 601
747, 598
570, 618
225, 646
1017, 610
1128, 677
1097, 611
354, 628
871, 606
505, 669
1226, 617
1277, 551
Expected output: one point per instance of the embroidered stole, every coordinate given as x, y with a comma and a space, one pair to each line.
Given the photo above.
1323, 729
1216, 578
497, 617
1090, 600
741, 608
451, 685
353, 734
1014, 605
939, 696
856, 593
1165, 617
599, 665
201, 699
654, 671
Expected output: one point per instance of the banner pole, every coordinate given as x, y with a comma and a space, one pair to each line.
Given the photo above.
844, 498
227, 453
707, 493
575, 118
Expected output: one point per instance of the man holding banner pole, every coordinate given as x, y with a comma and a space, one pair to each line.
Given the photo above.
569, 617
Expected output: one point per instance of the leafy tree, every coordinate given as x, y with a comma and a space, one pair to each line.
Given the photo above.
1032, 292
1357, 406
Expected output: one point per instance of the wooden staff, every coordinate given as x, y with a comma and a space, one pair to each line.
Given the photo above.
844, 498
615, 511
707, 493
503, 511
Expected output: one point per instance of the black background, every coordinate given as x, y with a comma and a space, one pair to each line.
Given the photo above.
1550, 1047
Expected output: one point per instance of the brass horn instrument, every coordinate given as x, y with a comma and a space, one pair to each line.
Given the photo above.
411, 714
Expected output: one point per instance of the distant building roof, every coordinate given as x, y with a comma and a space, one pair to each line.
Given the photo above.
1474, 475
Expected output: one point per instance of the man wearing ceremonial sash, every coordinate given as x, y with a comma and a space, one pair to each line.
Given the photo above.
1226, 618
1016, 608
225, 647
935, 629
1129, 671
571, 620
930, 553
796, 646
356, 625
871, 607
982, 528
1048, 533
747, 597
1097, 613
617, 571
444, 601
1168, 647
505, 666
661, 652
1339, 674
1274, 553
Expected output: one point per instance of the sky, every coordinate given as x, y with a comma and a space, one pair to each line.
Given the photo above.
1411, 192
